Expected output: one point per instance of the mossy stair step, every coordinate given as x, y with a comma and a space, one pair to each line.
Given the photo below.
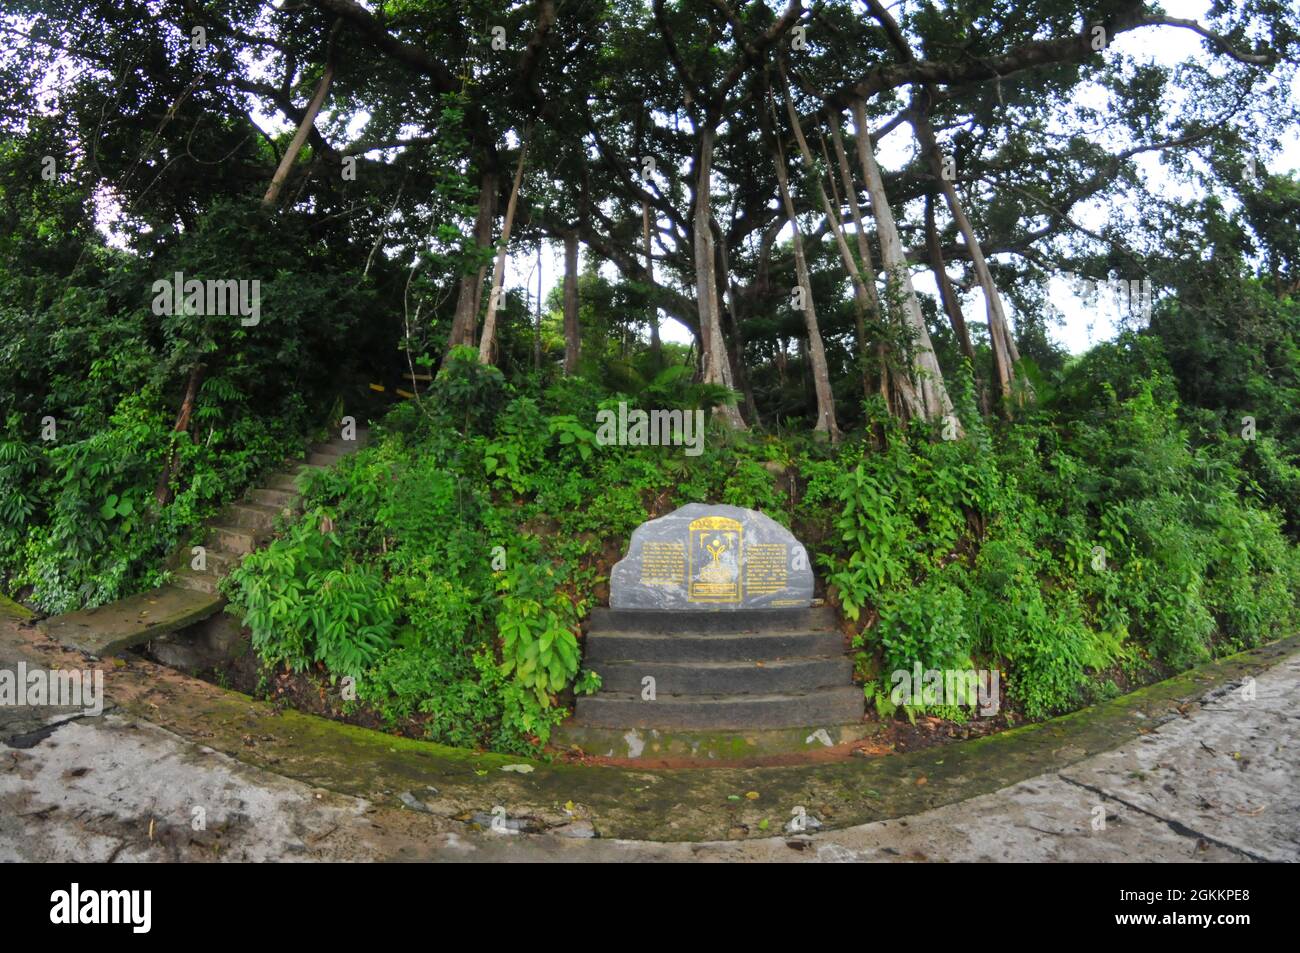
217, 565
737, 622
235, 539
281, 499
253, 515
136, 619
330, 452
283, 482
619, 647
198, 581
720, 671
827, 706
767, 677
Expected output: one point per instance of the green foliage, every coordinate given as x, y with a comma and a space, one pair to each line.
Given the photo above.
305, 604
1079, 543
82, 346
536, 626
463, 630
469, 390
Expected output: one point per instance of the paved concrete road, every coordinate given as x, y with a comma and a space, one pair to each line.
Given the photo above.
1218, 785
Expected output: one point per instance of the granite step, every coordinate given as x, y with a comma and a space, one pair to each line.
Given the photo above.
338, 447
285, 482
281, 499
234, 539
196, 581
348, 446
828, 706
220, 563
253, 515
134, 620
620, 647
727, 678
723, 622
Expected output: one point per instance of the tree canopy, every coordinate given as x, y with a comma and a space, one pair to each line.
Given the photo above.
718, 156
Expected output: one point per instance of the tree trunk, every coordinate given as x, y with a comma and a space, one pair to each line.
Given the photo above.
816, 352
656, 346
948, 295
537, 325
464, 323
861, 305
487, 345
1004, 355
736, 348
299, 137
864, 250
713, 351
163, 489
861, 298
572, 335
930, 398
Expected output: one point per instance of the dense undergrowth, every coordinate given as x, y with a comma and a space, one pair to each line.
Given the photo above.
91, 383
1089, 544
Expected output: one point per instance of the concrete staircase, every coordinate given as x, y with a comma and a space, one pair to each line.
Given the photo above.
194, 595
742, 671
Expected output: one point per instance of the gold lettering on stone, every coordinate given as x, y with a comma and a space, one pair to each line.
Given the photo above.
663, 564
766, 568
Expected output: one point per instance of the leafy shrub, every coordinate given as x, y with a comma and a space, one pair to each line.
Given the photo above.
304, 604
1076, 544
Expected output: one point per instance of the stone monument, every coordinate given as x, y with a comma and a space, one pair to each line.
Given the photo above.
712, 558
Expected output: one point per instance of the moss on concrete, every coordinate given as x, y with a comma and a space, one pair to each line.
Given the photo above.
13, 610
706, 746
655, 804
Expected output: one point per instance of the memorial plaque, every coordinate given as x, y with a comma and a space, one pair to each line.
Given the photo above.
712, 558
